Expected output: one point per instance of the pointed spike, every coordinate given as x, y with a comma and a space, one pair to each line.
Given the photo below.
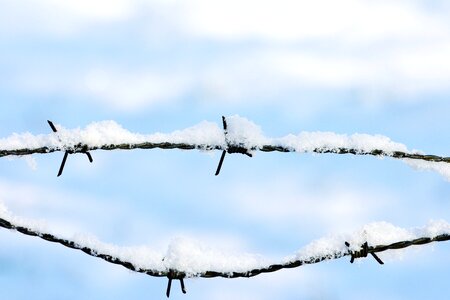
222, 157
52, 126
61, 168
169, 286
224, 121
377, 258
364, 249
90, 157
352, 257
183, 288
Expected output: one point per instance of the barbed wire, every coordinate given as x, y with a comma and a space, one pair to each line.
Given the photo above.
180, 275
230, 147
83, 148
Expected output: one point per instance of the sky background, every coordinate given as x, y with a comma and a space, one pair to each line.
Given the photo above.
376, 67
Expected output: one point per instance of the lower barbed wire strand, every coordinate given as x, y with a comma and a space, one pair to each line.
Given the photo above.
211, 274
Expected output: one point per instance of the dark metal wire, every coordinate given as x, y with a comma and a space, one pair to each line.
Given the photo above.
227, 147
178, 274
83, 148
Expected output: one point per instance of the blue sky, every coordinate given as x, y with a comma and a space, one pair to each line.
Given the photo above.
355, 66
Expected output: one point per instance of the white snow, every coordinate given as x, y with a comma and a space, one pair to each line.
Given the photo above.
29, 141
441, 168
194, 258
98, 134
245, 133
308, 141
240, 131
36, 225
377, 233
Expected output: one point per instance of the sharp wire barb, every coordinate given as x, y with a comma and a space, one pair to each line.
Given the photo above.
224, 122
183, 288
224, 152
365, 250
52, 126
222, 157
171, 275
230, 148
169, 286
91, 160
377, 258
63, 163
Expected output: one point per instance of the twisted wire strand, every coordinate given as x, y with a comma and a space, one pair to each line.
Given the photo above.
83, 148
178, 274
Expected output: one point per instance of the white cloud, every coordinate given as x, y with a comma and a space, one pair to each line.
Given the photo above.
33, 201
112, 88
60, 18
406, 71
384, 50
69, 213
99, 9
332, 208
293, 20
285, 20
133, 91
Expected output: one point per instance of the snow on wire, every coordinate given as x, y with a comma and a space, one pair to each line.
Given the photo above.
238, 135
186, 259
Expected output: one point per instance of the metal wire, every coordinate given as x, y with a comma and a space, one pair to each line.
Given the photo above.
228, 147
179, 274
82, 148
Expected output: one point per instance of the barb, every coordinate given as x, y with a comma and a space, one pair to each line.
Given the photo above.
66, 154
230, 147
172, 274
175, 275
362, 253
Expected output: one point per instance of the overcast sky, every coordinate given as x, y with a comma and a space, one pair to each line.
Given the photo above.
377, 67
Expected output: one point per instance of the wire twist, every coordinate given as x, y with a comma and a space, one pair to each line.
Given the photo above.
363, 253
172, 274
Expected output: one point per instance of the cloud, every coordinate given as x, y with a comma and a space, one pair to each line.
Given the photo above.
406, 71
287, 20
384, 51
290, 20
60, 18
287, 202
110, 87
68, 213
135, 90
